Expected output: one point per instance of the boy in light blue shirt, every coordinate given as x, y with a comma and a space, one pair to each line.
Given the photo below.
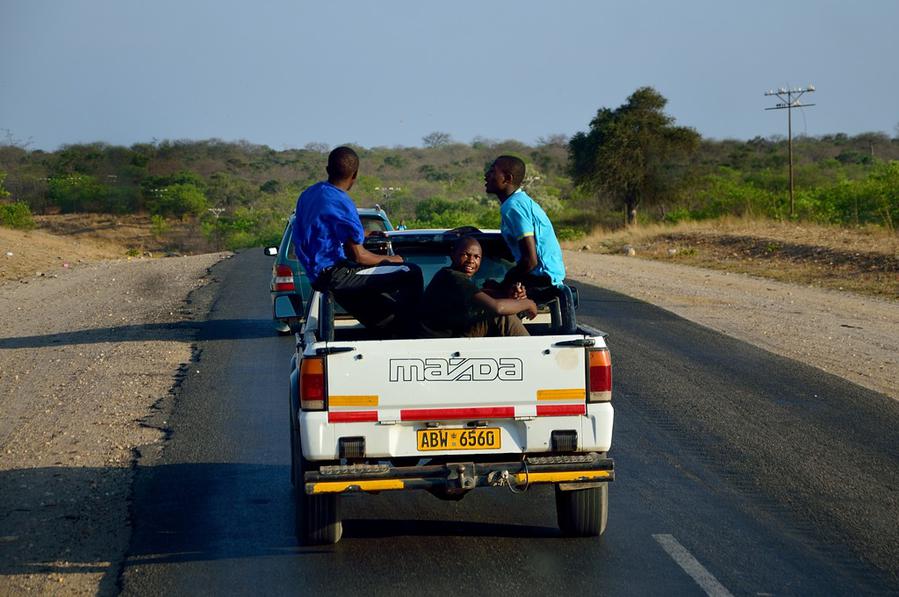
526, 230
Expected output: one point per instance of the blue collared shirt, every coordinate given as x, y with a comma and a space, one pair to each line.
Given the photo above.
326, 218
522, 217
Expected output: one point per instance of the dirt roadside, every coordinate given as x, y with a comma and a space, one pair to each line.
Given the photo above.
840, 332
87, 353
90, 351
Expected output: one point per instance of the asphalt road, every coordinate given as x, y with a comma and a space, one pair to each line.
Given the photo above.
737, 472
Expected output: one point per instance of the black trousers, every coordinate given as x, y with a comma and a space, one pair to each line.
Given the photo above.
383, 297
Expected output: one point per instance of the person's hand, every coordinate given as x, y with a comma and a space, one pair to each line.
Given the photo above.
530, 311
517, 291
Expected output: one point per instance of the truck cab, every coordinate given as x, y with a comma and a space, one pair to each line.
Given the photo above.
450, 415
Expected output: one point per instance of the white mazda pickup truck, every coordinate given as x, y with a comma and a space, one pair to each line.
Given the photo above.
450, 415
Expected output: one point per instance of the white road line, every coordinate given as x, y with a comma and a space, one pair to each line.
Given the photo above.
691, 566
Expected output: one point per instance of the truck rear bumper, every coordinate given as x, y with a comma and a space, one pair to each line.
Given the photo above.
574, 471
320, 436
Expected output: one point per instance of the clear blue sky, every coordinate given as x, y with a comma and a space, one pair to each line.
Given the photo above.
383, 73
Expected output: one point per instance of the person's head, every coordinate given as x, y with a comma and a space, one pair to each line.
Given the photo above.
504, 176
343, 166
466, 256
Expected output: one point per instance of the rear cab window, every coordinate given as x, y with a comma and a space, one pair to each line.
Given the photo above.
431, 252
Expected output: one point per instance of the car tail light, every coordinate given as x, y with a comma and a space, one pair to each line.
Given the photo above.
312, 383
283, 278
600, 375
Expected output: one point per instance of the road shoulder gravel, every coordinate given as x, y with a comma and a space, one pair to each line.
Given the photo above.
86, 357
845, 334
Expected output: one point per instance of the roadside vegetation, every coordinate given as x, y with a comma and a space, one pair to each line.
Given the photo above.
632, 169
863, 260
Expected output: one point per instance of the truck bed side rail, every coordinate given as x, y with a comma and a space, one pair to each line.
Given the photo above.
560, 301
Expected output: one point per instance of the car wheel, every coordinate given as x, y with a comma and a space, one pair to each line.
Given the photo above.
317, 517
583, 512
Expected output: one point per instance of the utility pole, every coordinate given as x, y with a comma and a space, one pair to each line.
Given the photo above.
789, 99
387, 193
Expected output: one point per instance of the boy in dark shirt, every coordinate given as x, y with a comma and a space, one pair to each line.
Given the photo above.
454, 306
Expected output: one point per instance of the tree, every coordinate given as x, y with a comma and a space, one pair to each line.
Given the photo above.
3, 192
178, 200
74, 193
554, 139
632, 152
436, 139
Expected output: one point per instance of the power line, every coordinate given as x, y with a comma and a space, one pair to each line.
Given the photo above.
789, 99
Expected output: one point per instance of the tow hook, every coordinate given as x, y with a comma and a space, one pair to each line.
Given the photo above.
461, 476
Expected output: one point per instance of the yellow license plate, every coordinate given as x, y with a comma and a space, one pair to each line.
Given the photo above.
481, 438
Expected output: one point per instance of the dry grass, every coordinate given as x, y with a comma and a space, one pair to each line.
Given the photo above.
66, 241
133, 233
861, 260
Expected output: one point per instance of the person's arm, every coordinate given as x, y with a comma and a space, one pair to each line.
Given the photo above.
514, 290
517, 222
506, 306
528, 262
363, 256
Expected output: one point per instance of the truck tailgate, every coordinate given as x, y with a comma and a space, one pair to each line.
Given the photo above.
455, 379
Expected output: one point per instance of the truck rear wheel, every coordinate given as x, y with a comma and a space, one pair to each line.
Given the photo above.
317, 517
583, 512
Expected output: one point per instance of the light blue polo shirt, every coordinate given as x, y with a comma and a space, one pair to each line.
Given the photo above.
521, 217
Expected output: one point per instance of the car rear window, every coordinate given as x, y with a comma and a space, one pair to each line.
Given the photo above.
372, 224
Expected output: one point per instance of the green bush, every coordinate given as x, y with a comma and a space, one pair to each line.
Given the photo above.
16, 215
74, 193
680, 214
438, 212
3, 192
246, 227
872, 200
158, 225
566, 233
178, 200
238, 239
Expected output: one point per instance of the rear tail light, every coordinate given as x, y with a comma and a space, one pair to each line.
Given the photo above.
283, 278
312, 383
600, 375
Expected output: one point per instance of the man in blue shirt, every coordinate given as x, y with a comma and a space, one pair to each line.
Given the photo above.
526, 230
381, 291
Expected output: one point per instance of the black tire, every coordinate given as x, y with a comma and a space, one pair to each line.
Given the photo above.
317, 517
583, 512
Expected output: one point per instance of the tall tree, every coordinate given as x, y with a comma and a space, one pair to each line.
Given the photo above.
633, 152
436, 139
3, 192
